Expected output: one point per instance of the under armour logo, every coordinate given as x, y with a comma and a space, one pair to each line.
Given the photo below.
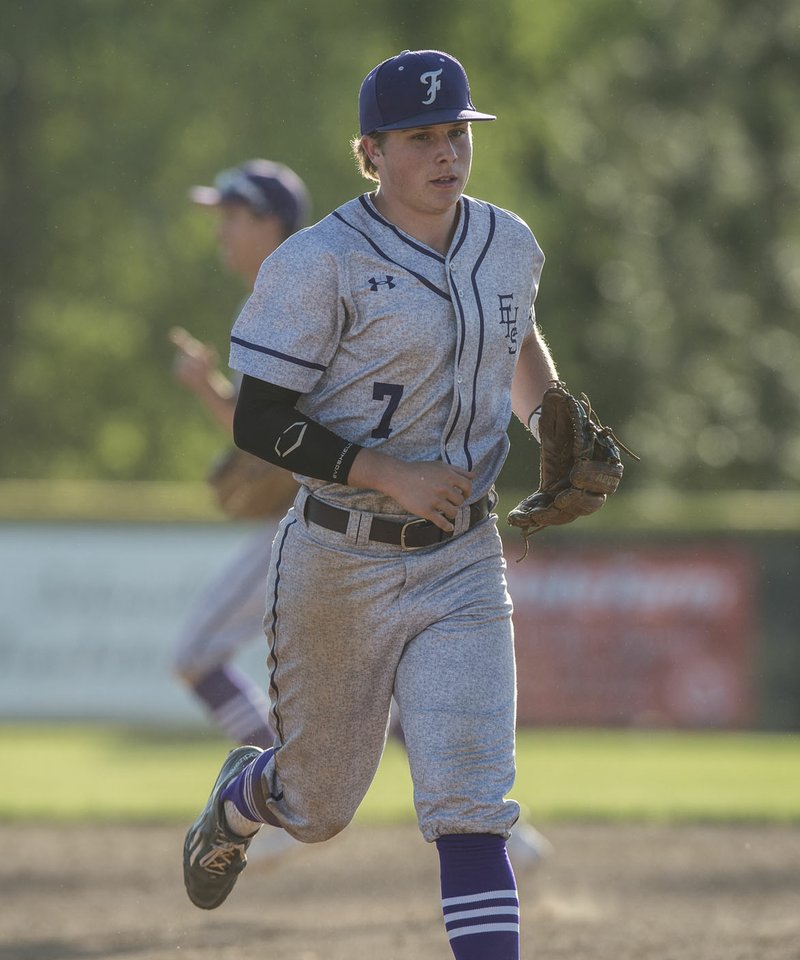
434, 84
291, 438
374, 284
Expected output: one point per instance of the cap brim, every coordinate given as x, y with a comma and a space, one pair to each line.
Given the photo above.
431, 117
205, 196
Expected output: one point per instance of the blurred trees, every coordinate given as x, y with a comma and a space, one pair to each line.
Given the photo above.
653, 148
671, 156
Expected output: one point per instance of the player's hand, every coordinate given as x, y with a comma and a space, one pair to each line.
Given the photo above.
430, 489
433, 490
194, 362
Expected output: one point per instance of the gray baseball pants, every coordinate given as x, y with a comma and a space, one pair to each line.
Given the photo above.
228, 612
352, 623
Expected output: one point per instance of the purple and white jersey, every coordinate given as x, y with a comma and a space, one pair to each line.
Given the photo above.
393, 344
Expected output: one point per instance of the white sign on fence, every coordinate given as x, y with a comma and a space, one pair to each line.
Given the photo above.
89, 615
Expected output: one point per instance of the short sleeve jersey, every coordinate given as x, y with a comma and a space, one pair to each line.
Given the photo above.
391, 343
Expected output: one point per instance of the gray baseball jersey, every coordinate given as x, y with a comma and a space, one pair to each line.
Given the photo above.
392, 343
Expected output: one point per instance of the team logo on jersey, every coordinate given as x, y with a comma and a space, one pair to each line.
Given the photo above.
509, 319
375, 283
431, 77
291, 438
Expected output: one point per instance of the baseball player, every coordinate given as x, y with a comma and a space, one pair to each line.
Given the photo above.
383, 351
258, 204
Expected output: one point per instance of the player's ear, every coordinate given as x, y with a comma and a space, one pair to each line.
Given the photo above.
371, 147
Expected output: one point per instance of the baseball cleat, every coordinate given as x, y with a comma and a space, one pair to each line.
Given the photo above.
270, 844
213, 857
527, 848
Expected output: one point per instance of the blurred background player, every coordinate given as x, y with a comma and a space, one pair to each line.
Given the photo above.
258, 205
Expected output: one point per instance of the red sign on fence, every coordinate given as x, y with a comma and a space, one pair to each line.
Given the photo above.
661, 637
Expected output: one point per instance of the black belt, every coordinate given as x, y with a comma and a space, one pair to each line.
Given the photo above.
410, 535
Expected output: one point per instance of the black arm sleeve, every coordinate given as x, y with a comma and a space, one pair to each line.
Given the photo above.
267, 424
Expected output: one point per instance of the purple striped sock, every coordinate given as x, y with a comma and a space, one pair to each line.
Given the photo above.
479, 897
246, 792
236, 704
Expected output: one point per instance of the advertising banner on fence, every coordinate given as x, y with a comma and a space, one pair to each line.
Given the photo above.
651, 636
90, 614
659, 636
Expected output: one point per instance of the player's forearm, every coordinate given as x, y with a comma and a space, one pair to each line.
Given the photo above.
373, 470
535, 370
218, 397
195, 366
267, 424
430, 489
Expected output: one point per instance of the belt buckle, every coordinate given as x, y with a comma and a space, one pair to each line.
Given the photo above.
410, 523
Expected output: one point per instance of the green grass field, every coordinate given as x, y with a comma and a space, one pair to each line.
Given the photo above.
71, 772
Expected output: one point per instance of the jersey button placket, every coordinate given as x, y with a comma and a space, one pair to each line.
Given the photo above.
454, 285
459, 379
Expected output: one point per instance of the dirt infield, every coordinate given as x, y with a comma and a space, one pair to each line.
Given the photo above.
608, 893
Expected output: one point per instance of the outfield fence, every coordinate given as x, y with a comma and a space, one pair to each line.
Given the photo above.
632, 629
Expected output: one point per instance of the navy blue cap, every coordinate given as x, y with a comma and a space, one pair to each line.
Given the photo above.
265, 187
416, 88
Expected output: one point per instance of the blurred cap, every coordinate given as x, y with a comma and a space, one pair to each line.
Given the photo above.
265, 187
417, 88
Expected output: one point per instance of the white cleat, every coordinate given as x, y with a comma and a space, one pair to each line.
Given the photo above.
527, 848
269, 844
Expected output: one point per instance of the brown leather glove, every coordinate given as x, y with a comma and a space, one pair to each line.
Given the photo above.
579, 464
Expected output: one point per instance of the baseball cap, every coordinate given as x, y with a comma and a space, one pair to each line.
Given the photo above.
416, 88
262, 185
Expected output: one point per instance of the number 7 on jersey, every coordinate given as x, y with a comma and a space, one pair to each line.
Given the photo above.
383, 391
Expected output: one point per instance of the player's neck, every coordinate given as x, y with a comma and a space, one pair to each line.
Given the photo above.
435, 229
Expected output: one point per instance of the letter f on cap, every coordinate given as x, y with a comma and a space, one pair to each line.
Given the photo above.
434, 84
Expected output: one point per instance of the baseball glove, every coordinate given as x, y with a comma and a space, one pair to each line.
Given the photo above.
579, 464
248, 488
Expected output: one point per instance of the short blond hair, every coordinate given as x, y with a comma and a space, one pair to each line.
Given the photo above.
366, 167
